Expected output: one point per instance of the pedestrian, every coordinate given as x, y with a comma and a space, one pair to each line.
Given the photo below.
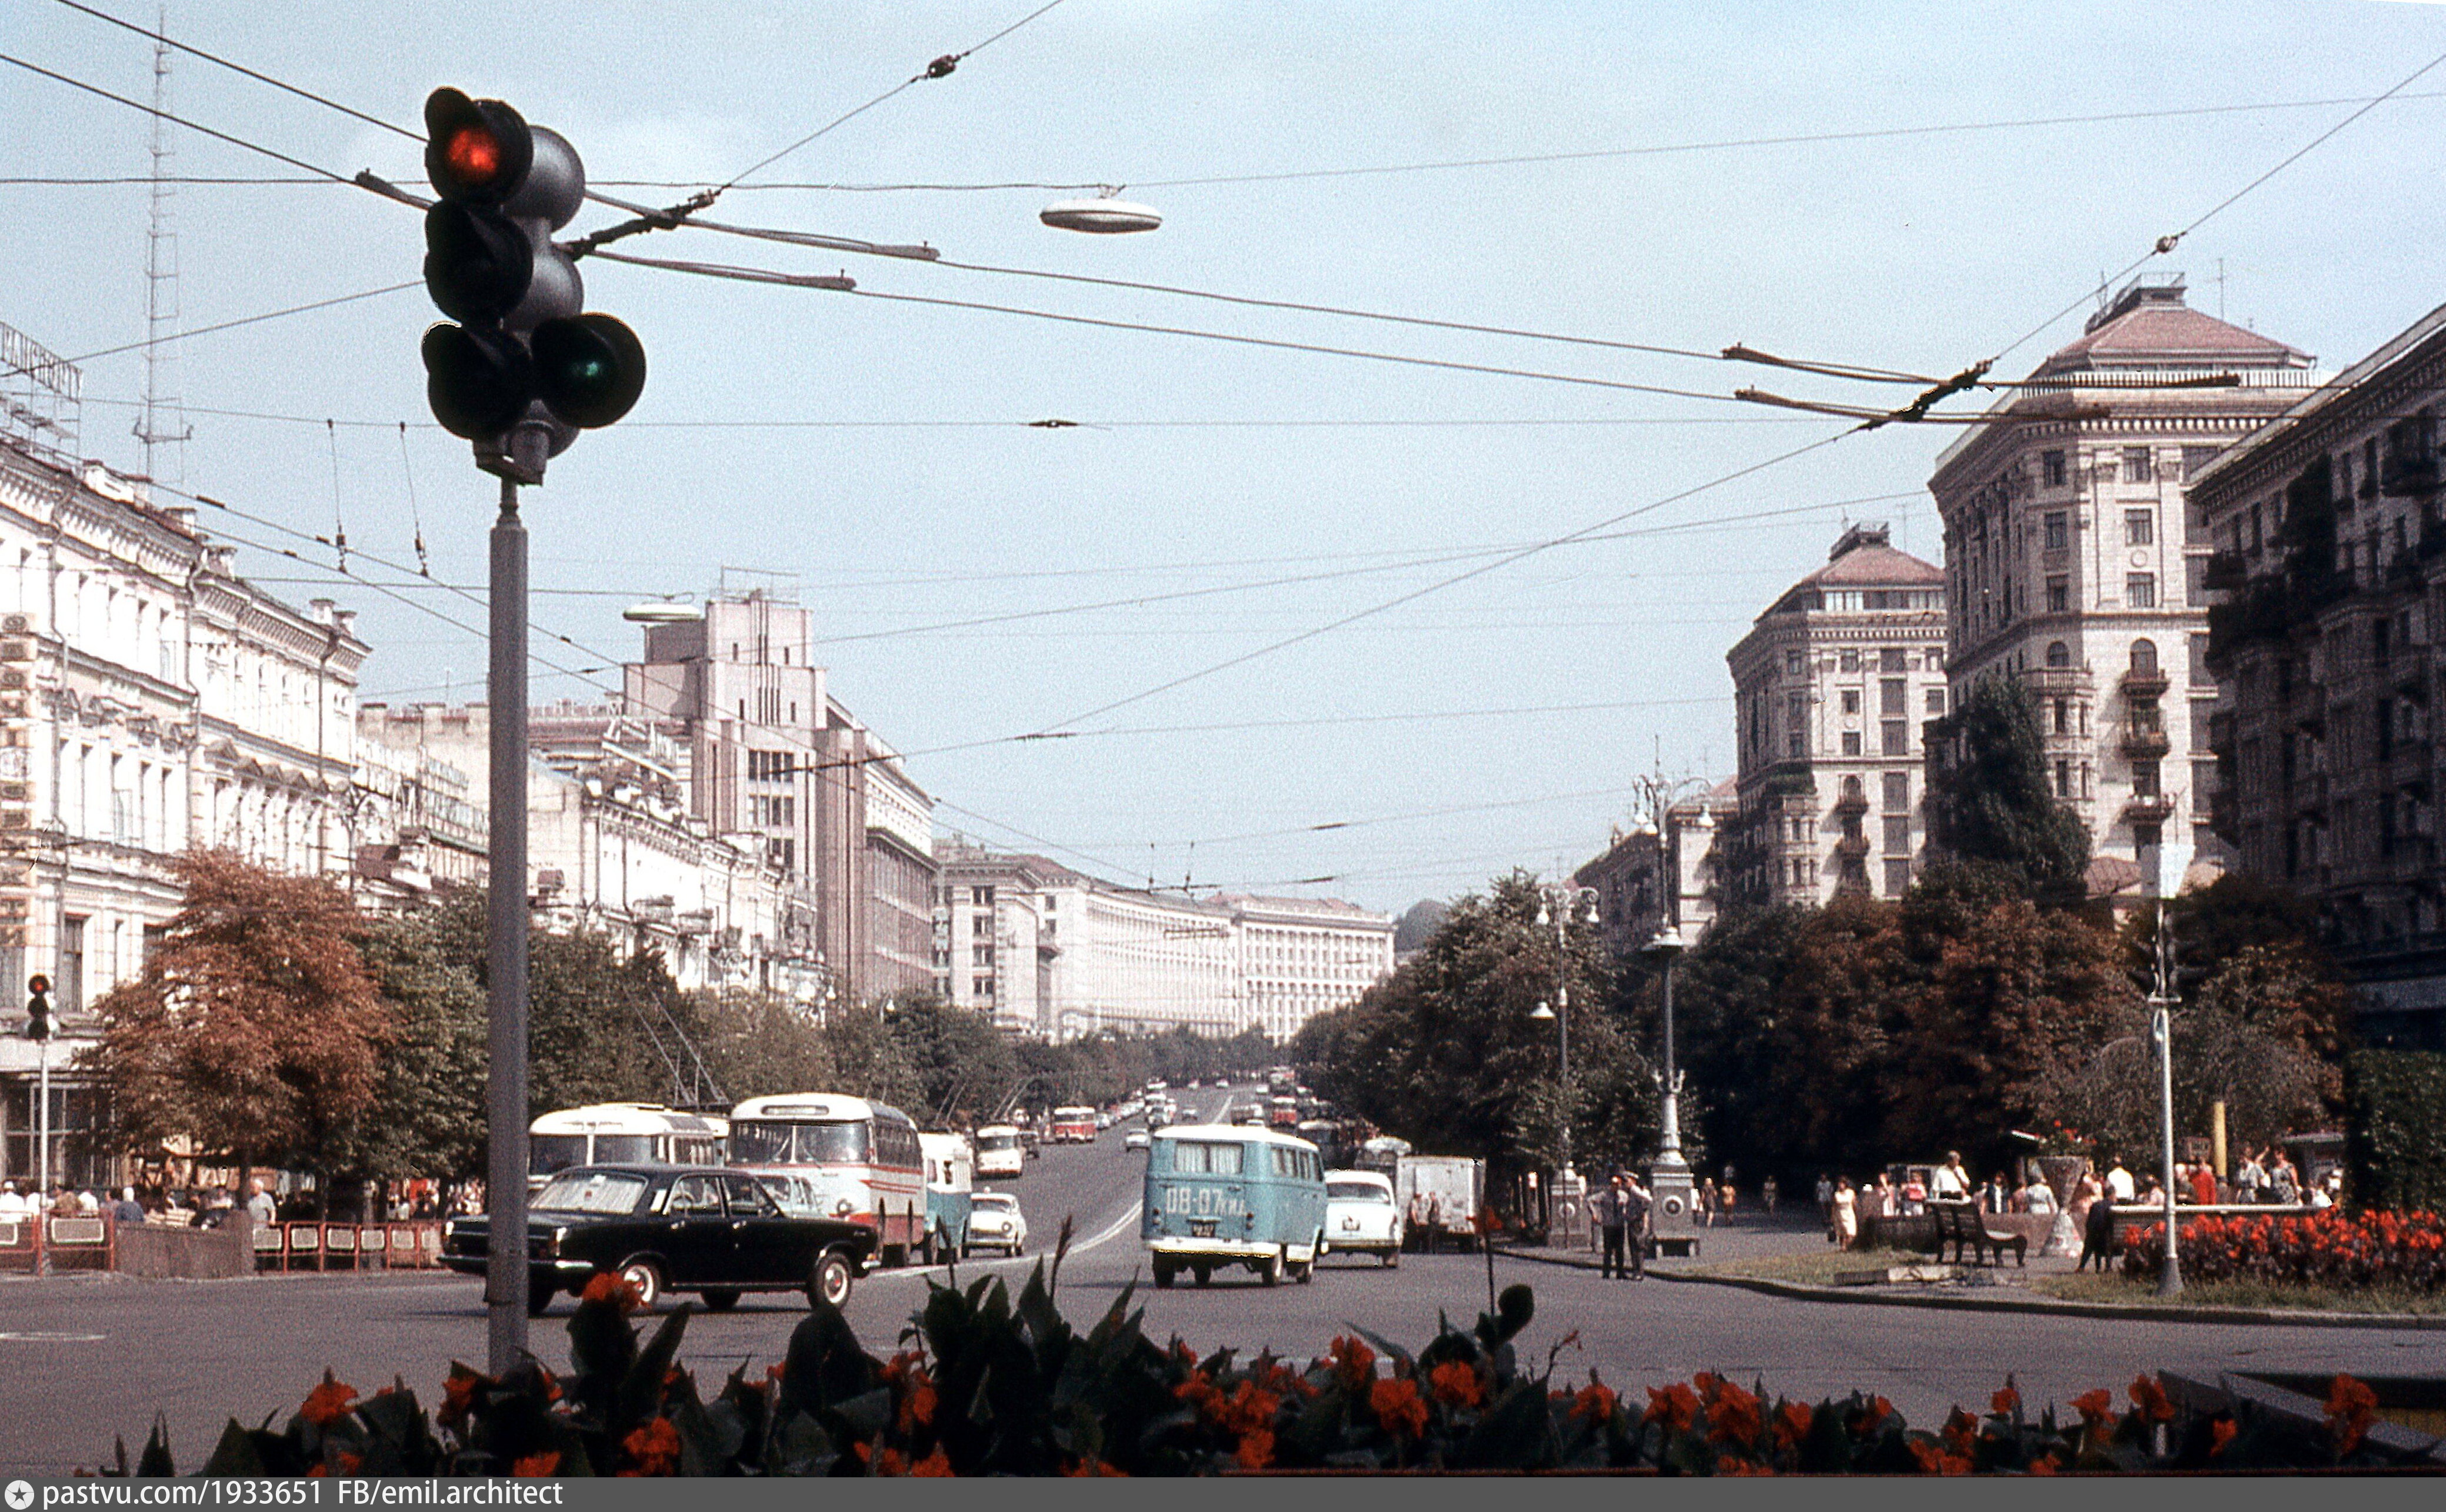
1846, 1215
259, 1204
1435, 1221
2097, 1234
1768, 1193
1997, 1196
2038, 1196
1884, 1201
2203, 1185
1414, 1228
13, 1205
63, 1201
1826, 1198
1724, 1201
127, 1209
1706, 1197
1611, 1209
2118, 1181
2250, 1181
1914, 1194
2285, 1180
1951, 1182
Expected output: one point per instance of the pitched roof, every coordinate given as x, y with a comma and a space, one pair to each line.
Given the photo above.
1876, 565
2149, 326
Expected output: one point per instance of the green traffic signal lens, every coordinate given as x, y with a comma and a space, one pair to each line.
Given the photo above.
479, 383
588, 369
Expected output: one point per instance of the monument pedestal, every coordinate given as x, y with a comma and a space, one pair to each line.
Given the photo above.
1673, 1213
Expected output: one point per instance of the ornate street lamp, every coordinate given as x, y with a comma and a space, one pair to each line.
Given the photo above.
1676, 1210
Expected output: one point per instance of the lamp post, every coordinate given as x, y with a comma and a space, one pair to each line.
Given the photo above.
1557, 903
2172, 860
1676, 1210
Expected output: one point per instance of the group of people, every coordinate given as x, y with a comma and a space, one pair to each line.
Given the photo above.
162, 1207
1844, 1205
1621, 1214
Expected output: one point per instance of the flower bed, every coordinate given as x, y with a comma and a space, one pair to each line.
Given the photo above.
2323, 1249
998, 1386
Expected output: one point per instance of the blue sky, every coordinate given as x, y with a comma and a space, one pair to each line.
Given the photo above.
889, 472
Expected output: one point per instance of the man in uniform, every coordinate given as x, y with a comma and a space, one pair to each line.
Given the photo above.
1610, 1208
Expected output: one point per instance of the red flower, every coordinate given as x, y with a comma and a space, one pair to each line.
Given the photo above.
1456, 1384
536, 1467
1865, 1420
2351, 1409
2044, 1465
654, 1448
1093, 1466
1353, 1362
458, 1395
2152, 1400
2006, 1403
1396, 1407
938, 1463
1595, 1401
1792, 1422
328, 1402
1735, 1465
1934, 1461
917, 1404
2095, 1406
1257, 1451
1959, 1430
610, 1287
1676, 1407
2222, 1432
1734, 1416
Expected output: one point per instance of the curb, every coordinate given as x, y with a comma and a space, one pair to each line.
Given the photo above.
2146, 1312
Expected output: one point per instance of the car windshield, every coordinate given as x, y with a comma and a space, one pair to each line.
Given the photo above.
1357, 1192
591, 1191
1000, 1205
1009, 1141
770, 1142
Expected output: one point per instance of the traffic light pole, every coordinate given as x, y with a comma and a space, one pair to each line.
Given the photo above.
505, 1088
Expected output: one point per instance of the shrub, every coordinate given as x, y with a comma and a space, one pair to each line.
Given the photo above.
2329, 1248
2398, 1101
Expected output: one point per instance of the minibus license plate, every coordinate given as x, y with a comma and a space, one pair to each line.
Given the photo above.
1201, 1228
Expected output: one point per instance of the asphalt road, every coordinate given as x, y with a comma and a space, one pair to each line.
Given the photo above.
82, 1359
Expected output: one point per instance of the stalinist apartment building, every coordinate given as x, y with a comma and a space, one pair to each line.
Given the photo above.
2072, 565
1831, 687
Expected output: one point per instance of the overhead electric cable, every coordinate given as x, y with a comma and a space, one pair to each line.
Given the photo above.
238, 68
232, 324
176, 119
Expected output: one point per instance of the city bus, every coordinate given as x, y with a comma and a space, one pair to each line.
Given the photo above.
1000, 1156
624, 1133
838, 1157
1227, 1195
1074, 1125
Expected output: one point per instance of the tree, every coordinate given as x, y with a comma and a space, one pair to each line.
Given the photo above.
254, 1028
960, 1065
1991, 802
760, 1043
427, 1117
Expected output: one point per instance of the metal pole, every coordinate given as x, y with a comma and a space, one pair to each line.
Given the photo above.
2161, 1029
506, 957
1563, 1022
43, 1126
1671, 1136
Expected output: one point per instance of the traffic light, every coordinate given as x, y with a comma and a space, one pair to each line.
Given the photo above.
523, 370
38, 1008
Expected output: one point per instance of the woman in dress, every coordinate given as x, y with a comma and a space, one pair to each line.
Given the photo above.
1847, 1214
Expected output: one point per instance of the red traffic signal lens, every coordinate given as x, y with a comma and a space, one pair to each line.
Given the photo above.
474, 155
38, 982
476, 151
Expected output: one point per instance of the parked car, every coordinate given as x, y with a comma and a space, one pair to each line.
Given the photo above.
671, 1228
996, 1223
1135, 1139
1360, 1216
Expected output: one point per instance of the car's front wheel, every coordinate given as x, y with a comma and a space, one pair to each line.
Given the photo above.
721, 1299
829, 1284
647, 1277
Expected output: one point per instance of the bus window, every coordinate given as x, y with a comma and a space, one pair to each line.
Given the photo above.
547, 1153
1200, 1158
625, 1148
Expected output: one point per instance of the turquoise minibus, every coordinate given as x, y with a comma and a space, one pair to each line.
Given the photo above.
1225, 1195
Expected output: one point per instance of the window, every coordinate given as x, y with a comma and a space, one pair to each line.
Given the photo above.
1936, 700
1897, 792
2058, 595
1191, 1157
1850, 700
2136, 464
1850, 661
981, 897
1899, 870
2062, 724
2144, 657
1893, 698
981, 955
1851, 742
2196, 459
2140, 591
981, 987
2145, 835
981, 926
2063, 778
2144, 779
1792, 663
2058, 654
2196, 580
1893, 658
1897, 738
2140, 527
1898, 834
2051, 468
2056, 527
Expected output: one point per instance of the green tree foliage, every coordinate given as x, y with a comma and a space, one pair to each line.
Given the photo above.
1994, 803
1445, 1055
427, 1117
2391, 1144
761, 1043
254, 1028
959, 1065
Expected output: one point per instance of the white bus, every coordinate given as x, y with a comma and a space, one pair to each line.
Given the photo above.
838, 1157
621, 1132
1000, 1155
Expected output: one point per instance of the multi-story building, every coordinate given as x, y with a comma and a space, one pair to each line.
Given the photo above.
1645, 881
2072, 564
769, 753
1831, 687
1055, 953
415, 827
2330, 568
151, 700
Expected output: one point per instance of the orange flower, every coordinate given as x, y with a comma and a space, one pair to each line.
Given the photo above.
1250, 1409
2044, 1465
1676, 1407
1456, 1384
1093, 1466
938, 1463
2351, 1408
1792, 1421
551, 1384
2094, 1407
1734, 1416
1960, 1429
1934, 1461
1866, 1420
2152, 1400
328, 1402
351, 1464
1735, 1465
536, 1467
1352, 1361
2006, 1403
1257, 1451
655, 1448
1594, 1401
917, 1406
1396, 1407
2221, 1433
458, 1395
610, 1287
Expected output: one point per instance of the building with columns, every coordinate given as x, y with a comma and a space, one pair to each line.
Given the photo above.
1829, 688
2072, 563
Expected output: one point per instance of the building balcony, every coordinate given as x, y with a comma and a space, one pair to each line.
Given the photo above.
2225, 570
2149, 808
2147, 744
2146, 682
1852, 846
1852, 800
2050, 680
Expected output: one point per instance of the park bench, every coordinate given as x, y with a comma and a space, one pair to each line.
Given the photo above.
1964, 1227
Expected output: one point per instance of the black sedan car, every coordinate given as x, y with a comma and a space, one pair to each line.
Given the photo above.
669, 1228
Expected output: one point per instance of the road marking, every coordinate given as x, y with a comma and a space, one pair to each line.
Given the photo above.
38, 1337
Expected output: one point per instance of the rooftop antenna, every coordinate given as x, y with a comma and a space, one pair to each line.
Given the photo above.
163, 425
2220, 289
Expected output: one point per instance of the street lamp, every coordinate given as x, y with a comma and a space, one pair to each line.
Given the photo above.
2172, 861
1557, 903
1671, 1178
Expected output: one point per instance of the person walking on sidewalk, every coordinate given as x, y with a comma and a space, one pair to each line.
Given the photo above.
1637, 1205
1846, 1231
1612, 1212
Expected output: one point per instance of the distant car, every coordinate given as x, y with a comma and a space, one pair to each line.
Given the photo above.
996, 1223
1135, 1139
1104, 1121
1360, 1216
671, 1228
